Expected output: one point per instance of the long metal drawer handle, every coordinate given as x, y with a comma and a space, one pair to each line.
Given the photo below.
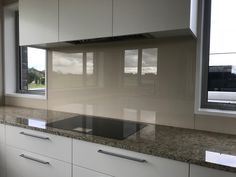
35, 136
34, 159
122, 156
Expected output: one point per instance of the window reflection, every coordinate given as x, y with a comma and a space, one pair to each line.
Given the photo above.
149, 65
221, 159
90, 63
131, 67
149, 61
90, 70
148, 116
37, 123
68, 63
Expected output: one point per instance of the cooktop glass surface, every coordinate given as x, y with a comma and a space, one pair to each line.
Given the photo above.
104, 127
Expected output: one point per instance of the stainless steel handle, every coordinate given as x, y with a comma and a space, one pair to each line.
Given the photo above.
35, 136
34, 159
122, 156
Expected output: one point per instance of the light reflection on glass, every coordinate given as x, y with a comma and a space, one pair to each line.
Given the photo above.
221, 159
130, 114
131, 68
131, 62
68, 63
90, 63
148, 116
149, 61
37, 123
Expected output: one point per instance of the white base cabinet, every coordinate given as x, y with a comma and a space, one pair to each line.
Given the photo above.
21, 163
83, 172
2, 151
46, 144
198, 171
2, 160
122, 163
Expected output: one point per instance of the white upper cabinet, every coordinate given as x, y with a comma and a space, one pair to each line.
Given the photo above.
84, 19
38, 21
145, 16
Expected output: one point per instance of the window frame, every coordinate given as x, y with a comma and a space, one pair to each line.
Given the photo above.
206, 28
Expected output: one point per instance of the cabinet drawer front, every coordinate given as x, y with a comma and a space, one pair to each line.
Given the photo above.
31, 165
38, 142
123, 163
2, 133
198, 171
83, 172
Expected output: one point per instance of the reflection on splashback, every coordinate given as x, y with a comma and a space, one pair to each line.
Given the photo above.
220, 158
148, 81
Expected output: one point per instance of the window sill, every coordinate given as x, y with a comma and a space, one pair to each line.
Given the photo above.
31, 96
216, 112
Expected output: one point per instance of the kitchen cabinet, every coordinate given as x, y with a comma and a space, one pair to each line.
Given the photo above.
198, 171
84, 19
122, 163
21, 163
2, 133
146, 16
2, 150
83, 172
38, 21
38, 142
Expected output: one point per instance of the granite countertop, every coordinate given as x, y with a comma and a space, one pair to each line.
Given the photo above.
203, 148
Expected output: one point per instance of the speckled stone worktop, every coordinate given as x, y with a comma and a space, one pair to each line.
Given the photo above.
203, 148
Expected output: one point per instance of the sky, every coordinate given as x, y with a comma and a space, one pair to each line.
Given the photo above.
36, 58
223, 32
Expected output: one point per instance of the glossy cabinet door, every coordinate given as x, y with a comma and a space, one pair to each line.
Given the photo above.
198, 171
38, 21
122, 163
84, 19
144, 16
25, 164
83, 172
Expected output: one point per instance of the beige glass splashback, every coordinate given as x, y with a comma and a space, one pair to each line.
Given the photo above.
149, 81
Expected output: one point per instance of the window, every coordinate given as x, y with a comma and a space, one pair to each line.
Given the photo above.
31, 70
219, 55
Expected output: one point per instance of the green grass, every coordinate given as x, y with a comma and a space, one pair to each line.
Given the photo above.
35, 86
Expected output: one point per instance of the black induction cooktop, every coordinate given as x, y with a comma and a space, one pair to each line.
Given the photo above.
104, 127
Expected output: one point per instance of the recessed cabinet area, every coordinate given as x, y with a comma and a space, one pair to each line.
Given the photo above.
69, 20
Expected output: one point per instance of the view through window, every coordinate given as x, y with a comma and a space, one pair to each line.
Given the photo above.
32, 70
36, 69
222, 52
